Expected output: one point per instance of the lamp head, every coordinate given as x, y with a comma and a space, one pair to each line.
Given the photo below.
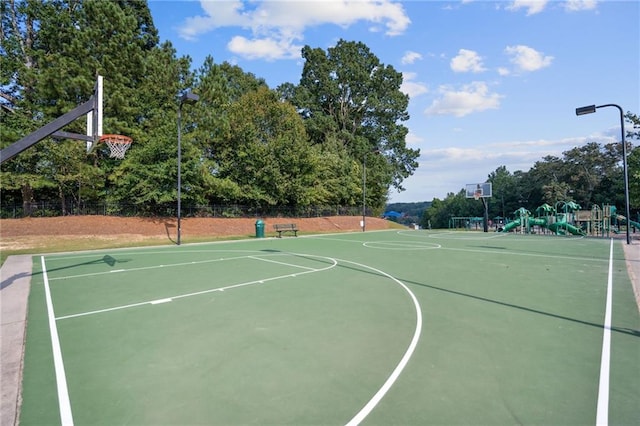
189, 98
589, 109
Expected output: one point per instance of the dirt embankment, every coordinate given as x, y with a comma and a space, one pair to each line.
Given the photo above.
33, 232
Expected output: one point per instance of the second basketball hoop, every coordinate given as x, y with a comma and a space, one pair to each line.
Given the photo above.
118, 144
478, 190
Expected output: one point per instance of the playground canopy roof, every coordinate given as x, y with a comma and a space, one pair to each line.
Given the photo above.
545, 208
392, 213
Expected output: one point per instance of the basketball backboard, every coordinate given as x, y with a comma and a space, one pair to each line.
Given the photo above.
479, 190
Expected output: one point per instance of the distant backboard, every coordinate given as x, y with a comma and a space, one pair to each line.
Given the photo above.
479, 190
94, 117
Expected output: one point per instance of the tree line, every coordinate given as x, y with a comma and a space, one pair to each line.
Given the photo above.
294, 146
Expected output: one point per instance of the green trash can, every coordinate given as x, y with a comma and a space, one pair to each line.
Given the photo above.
259, 228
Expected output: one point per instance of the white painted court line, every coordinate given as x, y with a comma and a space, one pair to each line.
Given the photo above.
64, 404
369, 406
145, 268
100, 311
198, 293
281, 263
602, 413
512, 253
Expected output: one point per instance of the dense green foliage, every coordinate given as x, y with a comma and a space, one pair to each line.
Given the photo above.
243, 143
296, 146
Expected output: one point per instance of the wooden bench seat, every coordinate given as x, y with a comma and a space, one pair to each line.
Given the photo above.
286, 227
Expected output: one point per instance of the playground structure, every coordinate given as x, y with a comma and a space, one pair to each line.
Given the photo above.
568, 218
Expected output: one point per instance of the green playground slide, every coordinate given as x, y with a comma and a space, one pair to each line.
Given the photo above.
532, 222
509, 226
631, 222
561, 227
539, 222
557, 227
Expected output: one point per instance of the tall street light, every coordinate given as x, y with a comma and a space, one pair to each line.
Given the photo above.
589, 109
364, 187
185, 98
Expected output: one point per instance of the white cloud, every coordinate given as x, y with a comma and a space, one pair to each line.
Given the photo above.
449, 169
470, 98
412, 139
275, 25
412, 88
579, 5
265, 48
532, 6
527, 59
218, 14
410, 57
467, 61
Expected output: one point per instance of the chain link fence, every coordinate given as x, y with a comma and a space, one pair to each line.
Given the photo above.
49, 209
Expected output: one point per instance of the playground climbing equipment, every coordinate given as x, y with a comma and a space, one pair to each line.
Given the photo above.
568, 218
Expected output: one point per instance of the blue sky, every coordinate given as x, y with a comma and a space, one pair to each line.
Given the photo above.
490, 83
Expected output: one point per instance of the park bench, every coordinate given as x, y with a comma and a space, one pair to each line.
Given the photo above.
286, 227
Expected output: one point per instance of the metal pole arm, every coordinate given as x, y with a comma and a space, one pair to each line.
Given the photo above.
46, 130
612, 105
625, 172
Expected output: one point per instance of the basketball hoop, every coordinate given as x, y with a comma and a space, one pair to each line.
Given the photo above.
118, 144
477, 195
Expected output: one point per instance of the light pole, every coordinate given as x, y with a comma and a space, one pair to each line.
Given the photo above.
364, 187
185, 98
589, 109
364, 191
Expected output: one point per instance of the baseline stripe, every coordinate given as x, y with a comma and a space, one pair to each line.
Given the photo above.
64, 404
602, 413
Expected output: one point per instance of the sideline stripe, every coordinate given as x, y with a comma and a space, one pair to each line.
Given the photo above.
66, 418
602, 413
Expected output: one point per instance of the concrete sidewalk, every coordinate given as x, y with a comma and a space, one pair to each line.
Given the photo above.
15, 278
632, 257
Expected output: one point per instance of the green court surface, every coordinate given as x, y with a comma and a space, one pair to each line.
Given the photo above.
376, 328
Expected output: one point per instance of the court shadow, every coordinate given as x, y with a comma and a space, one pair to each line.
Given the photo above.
109, 260
622, 330
167, 226
491, 247
12, 279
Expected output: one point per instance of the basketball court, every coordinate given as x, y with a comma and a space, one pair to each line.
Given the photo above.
390, 327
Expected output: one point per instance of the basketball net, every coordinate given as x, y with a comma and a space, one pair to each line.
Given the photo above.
476, 195
118, 145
